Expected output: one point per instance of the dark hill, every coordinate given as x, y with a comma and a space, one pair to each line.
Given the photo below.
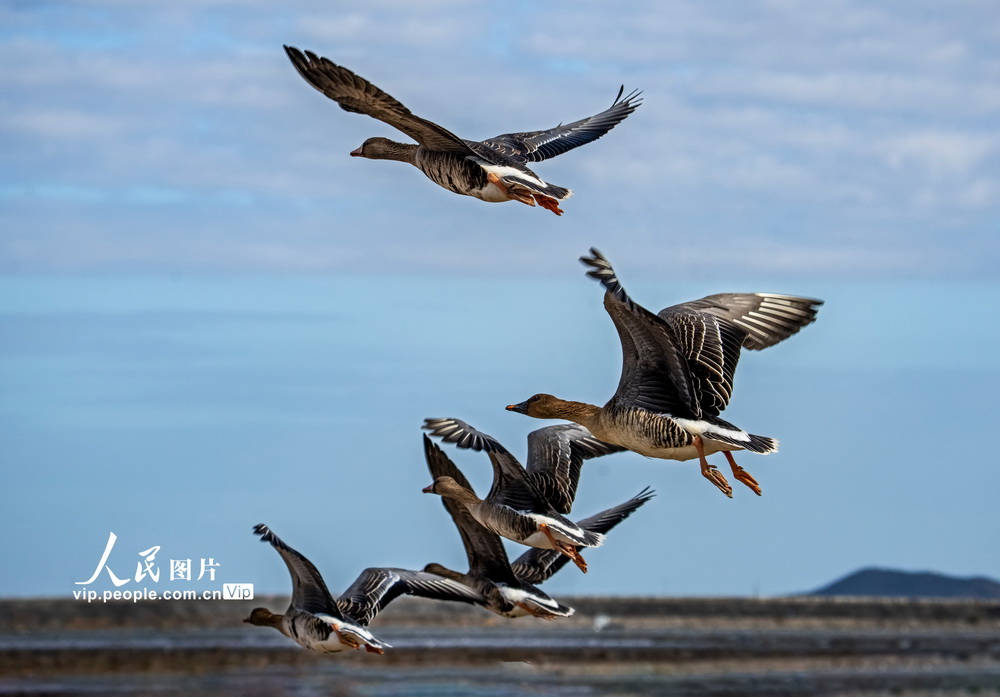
911, 584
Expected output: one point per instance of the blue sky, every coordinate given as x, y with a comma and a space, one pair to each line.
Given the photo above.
775, 136
208, 303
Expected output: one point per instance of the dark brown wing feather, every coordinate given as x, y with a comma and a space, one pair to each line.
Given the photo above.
712, 330
555, 458
767, 318
355, 94
655, 374
511, 485
376, 587
309, 591
535, 146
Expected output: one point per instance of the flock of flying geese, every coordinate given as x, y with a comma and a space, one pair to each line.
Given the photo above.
677, 377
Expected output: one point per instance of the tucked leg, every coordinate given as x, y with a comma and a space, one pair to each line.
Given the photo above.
373, 649
572, 552
742, 475
509, 192
548, 203
346, 640
536, 612
709, 471
568, 550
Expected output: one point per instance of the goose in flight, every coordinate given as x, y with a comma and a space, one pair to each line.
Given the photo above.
493, 170
555, 456
677, 374
511, 590
319, 622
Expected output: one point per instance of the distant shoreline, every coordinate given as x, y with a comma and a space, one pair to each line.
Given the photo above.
636, 646
61, 614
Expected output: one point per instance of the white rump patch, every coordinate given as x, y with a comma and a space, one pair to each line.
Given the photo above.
698, 427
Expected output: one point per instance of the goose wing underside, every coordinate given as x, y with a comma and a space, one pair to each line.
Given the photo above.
535, 146
712, 330
309, 591
555, 458
355, 94
767, 318
711, 347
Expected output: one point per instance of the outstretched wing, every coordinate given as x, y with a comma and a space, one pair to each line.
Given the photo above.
535, 146
711, 331
376, 587
309, 592
511, 486
555, 457
655, 374
355, 94
767, 318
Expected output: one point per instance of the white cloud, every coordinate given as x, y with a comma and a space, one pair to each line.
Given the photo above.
837, 116
942, 155
56, 123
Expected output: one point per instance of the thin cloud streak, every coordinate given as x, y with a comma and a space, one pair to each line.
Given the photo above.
757, 119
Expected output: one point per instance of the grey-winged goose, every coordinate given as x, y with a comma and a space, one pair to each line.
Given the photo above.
489, 571
538, 565
510, 589
493, 170
319, 622
533, 523
555, 456
677, 373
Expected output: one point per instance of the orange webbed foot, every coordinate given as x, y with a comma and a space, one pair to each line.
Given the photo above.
710, 472
373, 649
346, 640
548, 203
569, 550
713, 475
509, 192
580, 562
742, 475
536, 612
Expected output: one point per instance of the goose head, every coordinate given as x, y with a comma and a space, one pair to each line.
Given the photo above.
443, 572
384, 149
540, 406
448, 487
262, 617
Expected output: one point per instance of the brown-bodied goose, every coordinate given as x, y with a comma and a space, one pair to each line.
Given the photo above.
677, 373
318, 622
509, 589
489, 571
493, 170
538, 565
555, 456
527, 525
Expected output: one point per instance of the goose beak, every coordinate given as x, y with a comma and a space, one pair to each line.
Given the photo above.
356, 153
428, 489
519, 408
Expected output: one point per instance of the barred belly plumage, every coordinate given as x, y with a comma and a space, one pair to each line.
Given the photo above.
653, 435
456, 173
